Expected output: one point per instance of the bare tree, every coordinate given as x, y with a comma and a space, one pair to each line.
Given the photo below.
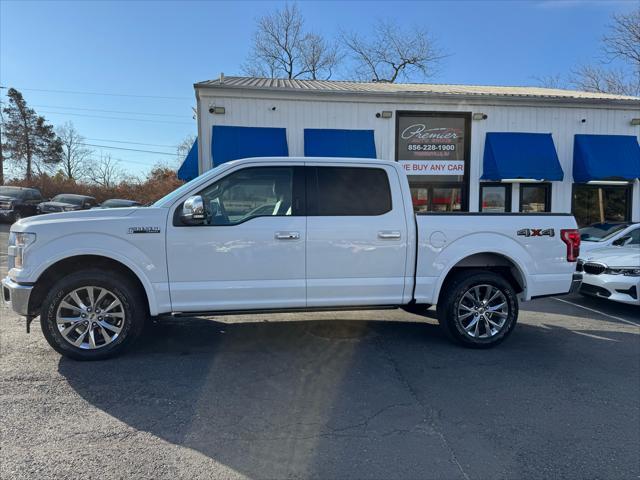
74, 154
393, 53
319, 56
593, 78
623, 40
550, 81
281, 48
184, 147
621, 44
105, 172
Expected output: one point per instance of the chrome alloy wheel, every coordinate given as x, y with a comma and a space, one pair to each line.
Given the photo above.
482, 311
90, 317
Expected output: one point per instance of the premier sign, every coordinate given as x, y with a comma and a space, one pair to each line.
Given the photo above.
431, 144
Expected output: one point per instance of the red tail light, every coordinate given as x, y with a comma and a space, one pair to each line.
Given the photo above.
571, 237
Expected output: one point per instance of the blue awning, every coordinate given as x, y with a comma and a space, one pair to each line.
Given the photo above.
189, 168
232, 143
605, 157
511, 155
325, 142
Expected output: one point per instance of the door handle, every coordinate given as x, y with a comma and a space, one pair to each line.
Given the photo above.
389, 234
287, 235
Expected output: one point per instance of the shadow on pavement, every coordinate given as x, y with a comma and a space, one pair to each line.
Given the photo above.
368, 399
559, 306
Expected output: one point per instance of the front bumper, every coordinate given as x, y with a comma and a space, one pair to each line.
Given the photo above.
16, 296
4, 214
619, 288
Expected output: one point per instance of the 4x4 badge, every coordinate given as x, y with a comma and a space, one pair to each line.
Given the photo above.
536, 232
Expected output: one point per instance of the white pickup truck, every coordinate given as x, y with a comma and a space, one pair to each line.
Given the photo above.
282, 234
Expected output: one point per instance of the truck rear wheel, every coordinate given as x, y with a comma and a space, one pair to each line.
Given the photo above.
478, 309
92, 316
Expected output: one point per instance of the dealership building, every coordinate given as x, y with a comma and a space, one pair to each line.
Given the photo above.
464, 148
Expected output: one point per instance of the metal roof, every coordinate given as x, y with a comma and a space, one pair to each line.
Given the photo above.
374, 88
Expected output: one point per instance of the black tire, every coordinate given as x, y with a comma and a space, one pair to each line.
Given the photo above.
449, 306
119, 286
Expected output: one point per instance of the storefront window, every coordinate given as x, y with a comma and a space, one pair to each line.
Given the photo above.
446, 199
433, 148
495, 198
420, 198
600, 203
535, 198
440, 198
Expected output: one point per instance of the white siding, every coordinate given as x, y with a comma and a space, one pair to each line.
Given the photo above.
297, 112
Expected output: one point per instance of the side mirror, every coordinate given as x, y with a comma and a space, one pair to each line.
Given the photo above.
621, 241
193, 211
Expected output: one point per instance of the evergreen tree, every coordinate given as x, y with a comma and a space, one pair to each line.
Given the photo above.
28, 139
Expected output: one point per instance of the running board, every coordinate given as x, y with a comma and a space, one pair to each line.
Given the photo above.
283, 310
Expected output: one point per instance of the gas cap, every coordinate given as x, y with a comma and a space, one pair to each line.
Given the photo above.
438, 239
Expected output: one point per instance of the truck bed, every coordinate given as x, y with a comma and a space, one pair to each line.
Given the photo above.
529, 245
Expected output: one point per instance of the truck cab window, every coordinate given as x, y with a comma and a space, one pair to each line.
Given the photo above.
249, 193
349, 191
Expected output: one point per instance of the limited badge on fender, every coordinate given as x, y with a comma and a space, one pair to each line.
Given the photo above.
144, 229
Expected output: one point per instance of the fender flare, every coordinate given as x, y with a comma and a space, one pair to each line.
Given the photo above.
508, 255
111, 255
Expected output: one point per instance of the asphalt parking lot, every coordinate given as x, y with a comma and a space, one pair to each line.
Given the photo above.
331, 395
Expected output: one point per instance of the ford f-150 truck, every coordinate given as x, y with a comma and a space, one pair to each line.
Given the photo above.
282, 234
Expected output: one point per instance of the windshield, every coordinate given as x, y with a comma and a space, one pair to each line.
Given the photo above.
10, 192
67, 199
599, 232
178, 192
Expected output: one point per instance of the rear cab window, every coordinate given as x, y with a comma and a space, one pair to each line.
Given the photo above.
348, 191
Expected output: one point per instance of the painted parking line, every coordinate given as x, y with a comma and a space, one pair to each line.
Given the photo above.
598, 312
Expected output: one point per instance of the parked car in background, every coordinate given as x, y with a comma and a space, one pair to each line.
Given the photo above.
601, 235
66, 202
119, 203
18, 202
613, 272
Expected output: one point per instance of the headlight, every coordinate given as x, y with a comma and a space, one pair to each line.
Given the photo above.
18, 242
627, 271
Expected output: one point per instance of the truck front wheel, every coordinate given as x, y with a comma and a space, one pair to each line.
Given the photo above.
91, 315
478, 309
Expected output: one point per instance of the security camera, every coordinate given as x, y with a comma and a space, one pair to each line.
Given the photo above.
378, 115
211, 109
584, 120
273, 109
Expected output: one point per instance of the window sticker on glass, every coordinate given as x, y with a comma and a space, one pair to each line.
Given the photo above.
431, 144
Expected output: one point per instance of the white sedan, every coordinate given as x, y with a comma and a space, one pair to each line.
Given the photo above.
601, 235
613, 272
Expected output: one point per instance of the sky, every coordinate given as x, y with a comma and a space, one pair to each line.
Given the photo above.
123, 72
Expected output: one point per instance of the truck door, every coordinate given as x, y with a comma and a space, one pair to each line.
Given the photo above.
356, 236
250, 252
